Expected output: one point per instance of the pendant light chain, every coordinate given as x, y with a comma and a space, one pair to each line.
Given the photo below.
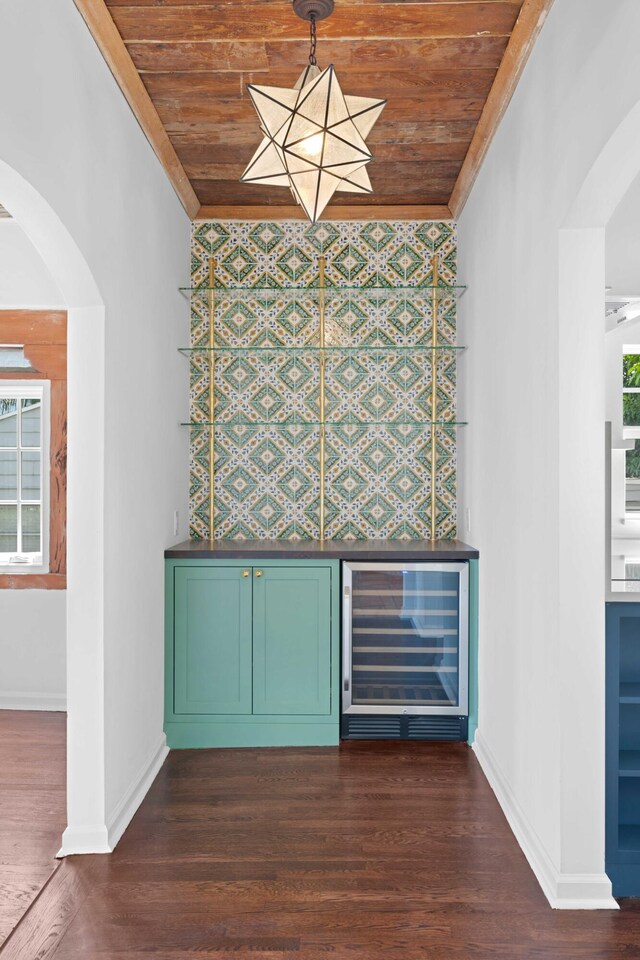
314, 40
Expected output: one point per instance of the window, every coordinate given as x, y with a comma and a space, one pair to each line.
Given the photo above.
631, 428
24, 475
631, 389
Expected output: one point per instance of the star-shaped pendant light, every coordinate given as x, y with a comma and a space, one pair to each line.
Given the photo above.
314, 135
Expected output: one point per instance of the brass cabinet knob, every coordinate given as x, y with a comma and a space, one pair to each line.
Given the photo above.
258, 573
245, 573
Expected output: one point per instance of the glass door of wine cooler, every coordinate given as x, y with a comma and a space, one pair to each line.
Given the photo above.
405, 630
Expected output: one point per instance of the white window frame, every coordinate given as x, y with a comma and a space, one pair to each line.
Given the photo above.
24, 390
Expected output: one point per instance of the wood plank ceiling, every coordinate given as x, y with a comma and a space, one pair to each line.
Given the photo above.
441, 65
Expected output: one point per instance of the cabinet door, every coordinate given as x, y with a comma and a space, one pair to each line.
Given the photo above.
212, 640
292, 640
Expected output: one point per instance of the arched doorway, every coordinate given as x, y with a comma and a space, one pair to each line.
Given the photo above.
582, 532
86, 830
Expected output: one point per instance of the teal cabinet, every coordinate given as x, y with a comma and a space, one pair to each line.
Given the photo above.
291, 641
252, 653
212, 634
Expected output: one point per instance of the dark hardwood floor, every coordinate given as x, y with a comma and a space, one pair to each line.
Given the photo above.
379, 851
32, 806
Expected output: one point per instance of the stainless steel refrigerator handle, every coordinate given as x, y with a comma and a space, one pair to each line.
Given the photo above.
346, 639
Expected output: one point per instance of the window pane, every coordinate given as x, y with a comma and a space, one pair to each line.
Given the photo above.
631, 409
632, 479
31, 529
30, 423
8, 423
631, 370
31, 475
8, 475
8, 528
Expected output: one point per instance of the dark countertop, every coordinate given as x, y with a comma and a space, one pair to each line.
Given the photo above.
392, 550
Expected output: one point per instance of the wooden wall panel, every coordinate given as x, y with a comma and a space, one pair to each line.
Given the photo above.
207, 112
212, 191
229, 21
480, 52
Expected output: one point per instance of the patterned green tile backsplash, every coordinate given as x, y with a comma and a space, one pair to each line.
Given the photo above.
378, 447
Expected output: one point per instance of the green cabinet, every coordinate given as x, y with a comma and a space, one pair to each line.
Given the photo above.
252, 653
291, 641
212, 632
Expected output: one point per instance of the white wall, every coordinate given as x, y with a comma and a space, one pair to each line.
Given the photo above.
33, 634
532, 468
623, 245
68, 131
32, 650
25, 281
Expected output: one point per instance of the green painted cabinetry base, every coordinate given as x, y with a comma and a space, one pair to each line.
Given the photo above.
252, 653
257, 732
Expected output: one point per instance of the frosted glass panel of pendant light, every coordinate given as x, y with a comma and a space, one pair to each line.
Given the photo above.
364, 112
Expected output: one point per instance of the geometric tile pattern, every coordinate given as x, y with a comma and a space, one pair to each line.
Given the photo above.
378, 448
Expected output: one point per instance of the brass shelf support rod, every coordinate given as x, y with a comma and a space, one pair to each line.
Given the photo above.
434, 391
212, 362
321, 301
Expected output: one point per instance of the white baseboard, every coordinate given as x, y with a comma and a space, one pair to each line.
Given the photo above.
103, 839
84, 840
33, 701
564, 891
121, 817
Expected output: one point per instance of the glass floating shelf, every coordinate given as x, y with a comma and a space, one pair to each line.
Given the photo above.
366, 349
331, 425
217, 295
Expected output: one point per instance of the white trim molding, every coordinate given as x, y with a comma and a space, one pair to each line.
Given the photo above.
84, 840
564, 891
33, 701
124, 812
103, 839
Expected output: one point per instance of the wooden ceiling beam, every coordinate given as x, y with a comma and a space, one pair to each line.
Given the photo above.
525, 33
332, 212
114, 51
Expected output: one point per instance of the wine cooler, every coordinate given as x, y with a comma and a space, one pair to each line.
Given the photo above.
405, 651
